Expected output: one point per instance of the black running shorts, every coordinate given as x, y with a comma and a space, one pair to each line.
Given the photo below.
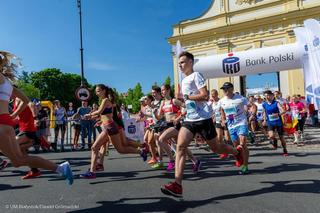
205, 128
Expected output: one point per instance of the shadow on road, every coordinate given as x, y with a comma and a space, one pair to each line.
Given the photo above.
4, 187
168, 204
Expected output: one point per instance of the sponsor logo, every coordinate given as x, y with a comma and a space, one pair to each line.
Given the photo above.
231, 65
132, 129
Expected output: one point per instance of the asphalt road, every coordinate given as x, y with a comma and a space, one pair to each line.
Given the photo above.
275, 184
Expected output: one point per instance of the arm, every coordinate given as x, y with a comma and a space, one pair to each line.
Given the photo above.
23, 103
223, 117
202, 96
282, 111
102, 106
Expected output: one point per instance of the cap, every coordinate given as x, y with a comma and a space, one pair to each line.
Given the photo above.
143, 98
227, 85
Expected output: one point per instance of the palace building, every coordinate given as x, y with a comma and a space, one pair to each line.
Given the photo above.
240, 25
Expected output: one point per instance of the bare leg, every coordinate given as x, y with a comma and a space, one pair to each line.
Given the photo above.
184, 139
101, 140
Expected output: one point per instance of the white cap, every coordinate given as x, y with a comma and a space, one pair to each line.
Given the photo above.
143, 98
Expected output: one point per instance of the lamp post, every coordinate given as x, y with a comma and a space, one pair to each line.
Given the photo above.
81, 48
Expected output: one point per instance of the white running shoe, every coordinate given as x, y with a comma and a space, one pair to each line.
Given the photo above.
67, 172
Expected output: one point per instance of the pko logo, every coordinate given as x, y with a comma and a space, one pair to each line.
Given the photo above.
231, 65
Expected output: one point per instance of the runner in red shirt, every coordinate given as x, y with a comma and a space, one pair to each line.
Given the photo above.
27, 134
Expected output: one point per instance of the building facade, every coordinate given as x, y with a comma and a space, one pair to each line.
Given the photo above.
240, 25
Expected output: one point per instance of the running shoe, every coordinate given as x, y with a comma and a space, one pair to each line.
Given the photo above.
173, 189
88, 175
223, 156
239, 157
158, 165
152, 161
285, 152
275, 143
171, 166
196, 166
99, 167
3, 164
67, 172
31, 175
144, 154
251, 136
244, 170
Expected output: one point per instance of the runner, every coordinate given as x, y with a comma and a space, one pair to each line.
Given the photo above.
272, 116
260, 117
222, 131
110, 130
252, 118
233, 113
298, 112
198, 120
8, 144
170, 111
27, 136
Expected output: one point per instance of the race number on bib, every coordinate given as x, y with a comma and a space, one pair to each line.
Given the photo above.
273, 117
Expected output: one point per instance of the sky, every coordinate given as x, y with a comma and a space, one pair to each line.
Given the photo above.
125, 41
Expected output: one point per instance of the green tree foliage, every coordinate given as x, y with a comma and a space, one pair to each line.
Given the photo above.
53, 84
28, 89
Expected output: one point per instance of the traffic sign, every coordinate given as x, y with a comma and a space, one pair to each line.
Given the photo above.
83, 94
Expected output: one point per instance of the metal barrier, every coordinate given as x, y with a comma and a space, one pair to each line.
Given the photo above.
68, 138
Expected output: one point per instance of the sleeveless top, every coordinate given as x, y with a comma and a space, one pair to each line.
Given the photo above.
5, 90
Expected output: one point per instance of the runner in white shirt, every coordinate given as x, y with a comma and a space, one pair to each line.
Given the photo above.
233, 111
222, 130
260, 117
198, 120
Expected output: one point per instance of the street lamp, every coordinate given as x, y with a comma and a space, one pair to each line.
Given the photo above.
81, 48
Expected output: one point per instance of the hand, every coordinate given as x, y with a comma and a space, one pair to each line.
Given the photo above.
176, 121
185, 97
264, 123
87, 116
98, 123
13, 116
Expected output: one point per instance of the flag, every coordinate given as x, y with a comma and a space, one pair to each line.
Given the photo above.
309, 38
178, 49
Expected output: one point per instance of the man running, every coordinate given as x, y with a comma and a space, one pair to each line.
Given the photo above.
272, 116
233, 113
198, 120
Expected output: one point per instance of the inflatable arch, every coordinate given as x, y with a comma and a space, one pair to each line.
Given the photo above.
305, 54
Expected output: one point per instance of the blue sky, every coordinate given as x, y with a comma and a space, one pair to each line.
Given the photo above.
124, 40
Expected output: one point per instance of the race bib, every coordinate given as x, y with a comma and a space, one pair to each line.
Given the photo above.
273, 117
296, 115
217, 115
230, 111
191, 108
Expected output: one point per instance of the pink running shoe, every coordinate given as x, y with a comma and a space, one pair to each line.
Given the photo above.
171, 166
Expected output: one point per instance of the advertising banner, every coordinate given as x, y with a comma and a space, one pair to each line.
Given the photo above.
256, 61
134, 130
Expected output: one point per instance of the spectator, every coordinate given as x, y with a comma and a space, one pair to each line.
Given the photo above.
71, 111
41, 122
124, 112
86, 125
61, 115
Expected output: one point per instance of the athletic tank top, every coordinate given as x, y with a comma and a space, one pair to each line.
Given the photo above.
273, 113
5, 90
169, 108
26, 120
259, 111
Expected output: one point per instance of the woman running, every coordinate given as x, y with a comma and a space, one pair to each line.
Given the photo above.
110, 130
8, 144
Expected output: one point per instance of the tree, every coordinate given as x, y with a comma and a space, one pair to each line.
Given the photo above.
28, 89
54, 84
167, 81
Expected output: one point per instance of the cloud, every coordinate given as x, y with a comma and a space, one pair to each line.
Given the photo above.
101, 66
